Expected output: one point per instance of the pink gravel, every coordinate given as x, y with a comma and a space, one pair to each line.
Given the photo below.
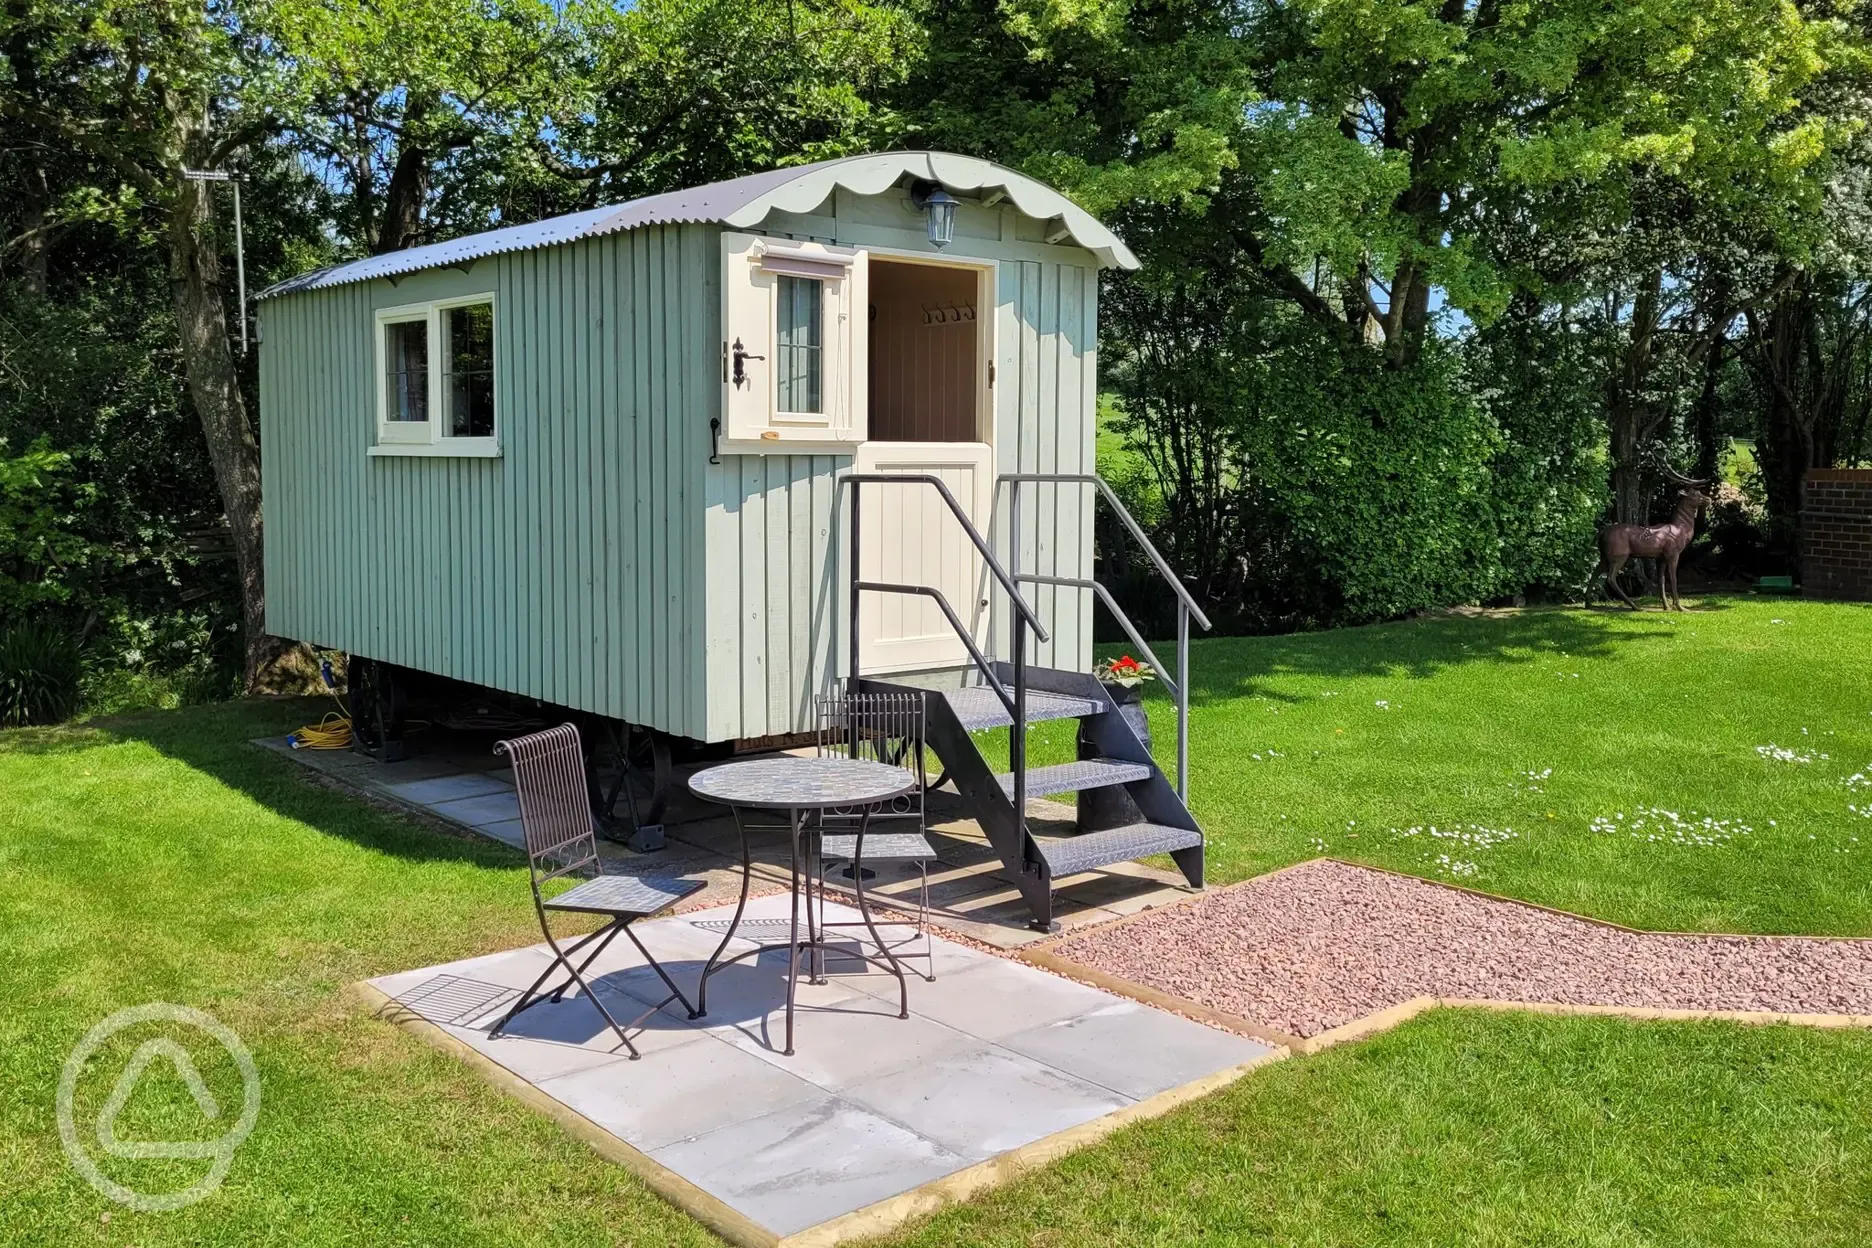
1324, 943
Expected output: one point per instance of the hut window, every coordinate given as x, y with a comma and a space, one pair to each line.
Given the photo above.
468, 370
406, 380
436, 364
801, 344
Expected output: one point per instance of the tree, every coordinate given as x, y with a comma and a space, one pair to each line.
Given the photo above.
677, 93
386, 96
1401, 137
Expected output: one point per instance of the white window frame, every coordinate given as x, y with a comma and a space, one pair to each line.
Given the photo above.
751, 417
430, 437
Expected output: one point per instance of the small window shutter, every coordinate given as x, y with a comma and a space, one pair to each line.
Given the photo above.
752, 268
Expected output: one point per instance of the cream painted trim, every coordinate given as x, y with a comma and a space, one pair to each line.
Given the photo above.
874, 175
425, 437
447, 448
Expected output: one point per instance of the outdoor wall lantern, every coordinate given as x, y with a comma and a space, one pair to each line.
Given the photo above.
939, 206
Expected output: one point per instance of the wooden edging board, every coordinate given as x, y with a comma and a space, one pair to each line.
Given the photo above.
875, 1219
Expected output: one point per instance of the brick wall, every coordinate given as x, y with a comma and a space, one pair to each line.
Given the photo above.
1836, 533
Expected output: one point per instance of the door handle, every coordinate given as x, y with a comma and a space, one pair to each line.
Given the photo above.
741, 356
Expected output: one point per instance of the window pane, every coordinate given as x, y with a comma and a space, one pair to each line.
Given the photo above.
468, 370
799, 344
406, 356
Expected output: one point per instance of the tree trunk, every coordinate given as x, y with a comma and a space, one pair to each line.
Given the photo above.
404, 199
1628, 408
214, 385
1785, 449
34, 242
1709, 448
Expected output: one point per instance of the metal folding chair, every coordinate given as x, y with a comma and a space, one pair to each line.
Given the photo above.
561, 842
885, 728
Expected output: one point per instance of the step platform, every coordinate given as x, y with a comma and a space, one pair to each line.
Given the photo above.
978, 707
1088, 851
1091, 773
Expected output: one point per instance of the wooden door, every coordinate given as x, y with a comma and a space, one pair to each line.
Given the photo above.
909, 536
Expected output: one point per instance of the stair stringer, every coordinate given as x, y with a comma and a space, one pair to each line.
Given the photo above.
981, 792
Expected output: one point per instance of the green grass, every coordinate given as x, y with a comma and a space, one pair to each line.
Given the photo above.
1482, 1130
1293, 755
162, 858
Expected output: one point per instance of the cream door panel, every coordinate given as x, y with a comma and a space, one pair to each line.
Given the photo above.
909, 536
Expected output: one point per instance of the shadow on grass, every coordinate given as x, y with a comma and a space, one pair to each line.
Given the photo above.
1227, 668
216, 741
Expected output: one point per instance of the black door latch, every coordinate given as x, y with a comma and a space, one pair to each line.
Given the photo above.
741, 357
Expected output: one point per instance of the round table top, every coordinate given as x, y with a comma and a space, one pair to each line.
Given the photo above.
788, 782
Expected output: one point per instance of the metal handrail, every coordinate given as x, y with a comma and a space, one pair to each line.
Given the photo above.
968, 527
955, 621
1186, 603
1125, 517
1017, 705
1111, 605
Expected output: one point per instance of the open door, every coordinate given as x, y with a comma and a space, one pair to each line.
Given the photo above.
930, 411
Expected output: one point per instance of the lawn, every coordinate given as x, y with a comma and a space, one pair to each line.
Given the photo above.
162, 858
1686, 772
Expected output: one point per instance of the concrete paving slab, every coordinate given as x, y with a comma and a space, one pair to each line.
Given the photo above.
480, 812
788, 1168
509, 832
993, 997
440, 789
678, 1096
983, 1100
1133, 1049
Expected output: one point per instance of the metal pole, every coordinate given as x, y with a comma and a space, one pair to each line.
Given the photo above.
851, 686
1014, 546
240, 265
1183, 697
1017, 731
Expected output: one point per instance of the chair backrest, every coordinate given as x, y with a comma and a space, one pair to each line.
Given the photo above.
881, 727
555, 802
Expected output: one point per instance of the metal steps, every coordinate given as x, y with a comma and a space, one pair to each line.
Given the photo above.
1113, 756
978, 707
1087, 851
1091, 773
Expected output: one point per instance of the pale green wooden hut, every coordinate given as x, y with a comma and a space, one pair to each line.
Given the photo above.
600, 460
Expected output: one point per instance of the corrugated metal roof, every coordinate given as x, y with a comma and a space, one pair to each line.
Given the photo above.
741, 203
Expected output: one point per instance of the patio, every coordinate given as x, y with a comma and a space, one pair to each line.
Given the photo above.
875, 1119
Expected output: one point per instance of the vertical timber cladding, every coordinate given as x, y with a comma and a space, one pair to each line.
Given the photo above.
775, 530
568, 568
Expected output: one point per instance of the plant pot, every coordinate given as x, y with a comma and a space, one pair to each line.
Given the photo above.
1112, 807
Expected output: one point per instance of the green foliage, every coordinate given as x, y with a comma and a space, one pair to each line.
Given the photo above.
41, 670
1296, 479
40, 556
1384, 480
1114, 101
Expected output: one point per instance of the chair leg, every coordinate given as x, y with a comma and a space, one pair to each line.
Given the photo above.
563, 957
675, 992
929, 942
612, 929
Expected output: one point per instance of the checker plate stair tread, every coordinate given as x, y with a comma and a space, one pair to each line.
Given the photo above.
1069, 855
1092, 773
978, 707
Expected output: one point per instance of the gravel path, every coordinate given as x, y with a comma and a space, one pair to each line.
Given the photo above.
1324, 943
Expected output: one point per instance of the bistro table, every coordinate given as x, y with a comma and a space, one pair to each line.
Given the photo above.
803, 788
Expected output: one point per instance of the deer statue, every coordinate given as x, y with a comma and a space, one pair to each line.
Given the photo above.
1662, 542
